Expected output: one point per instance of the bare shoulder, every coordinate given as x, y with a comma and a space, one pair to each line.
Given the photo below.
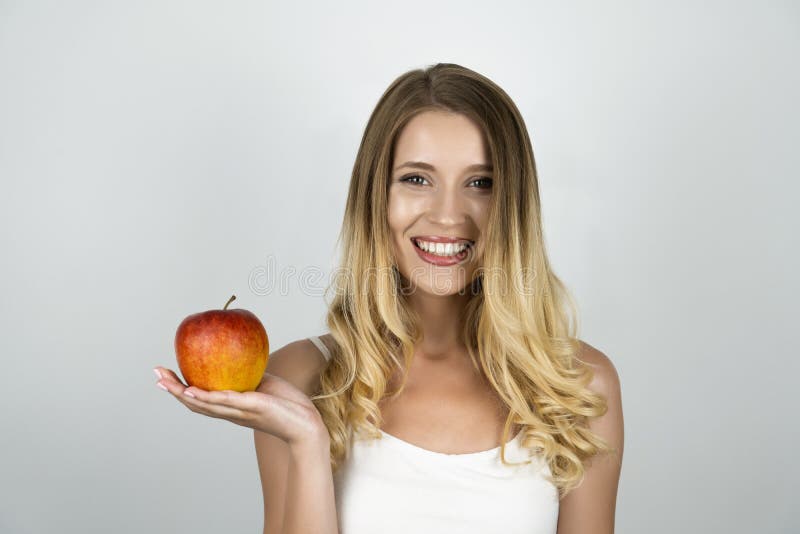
606, 379
606, 382
591, 507
299, 362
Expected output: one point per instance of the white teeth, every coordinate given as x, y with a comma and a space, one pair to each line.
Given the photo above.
441, 249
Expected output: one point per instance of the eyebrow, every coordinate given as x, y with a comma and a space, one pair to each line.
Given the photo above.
429, 167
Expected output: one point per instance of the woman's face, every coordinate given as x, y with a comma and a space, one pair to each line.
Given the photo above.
439, 193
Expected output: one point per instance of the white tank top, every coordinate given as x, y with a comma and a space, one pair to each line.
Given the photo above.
390, 486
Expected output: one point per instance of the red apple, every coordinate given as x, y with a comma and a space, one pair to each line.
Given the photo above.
222, 349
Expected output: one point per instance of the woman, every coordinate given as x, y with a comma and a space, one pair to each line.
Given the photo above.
449, 334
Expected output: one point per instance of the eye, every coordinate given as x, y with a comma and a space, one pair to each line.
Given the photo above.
410, 178
487, 183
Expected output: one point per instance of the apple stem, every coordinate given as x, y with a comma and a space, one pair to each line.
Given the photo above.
229, 301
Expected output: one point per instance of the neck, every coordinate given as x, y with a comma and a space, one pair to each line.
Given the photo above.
441, 323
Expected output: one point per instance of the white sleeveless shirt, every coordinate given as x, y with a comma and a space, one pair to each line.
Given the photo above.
390, 486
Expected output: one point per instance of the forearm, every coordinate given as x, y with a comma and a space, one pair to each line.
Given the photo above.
310, 502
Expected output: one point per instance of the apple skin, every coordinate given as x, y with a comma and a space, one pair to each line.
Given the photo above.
222, 350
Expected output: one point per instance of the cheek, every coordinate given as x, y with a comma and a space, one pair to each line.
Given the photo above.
479, 213
403, 210
398, 222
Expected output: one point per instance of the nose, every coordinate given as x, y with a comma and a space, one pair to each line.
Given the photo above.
446, 208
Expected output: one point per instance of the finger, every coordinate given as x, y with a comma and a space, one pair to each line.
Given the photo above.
245, 402
175, 388
199, 406
168, 374
213, 410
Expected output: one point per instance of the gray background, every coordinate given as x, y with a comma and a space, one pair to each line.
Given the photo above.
157, 157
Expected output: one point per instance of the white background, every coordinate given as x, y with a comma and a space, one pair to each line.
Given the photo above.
154, 155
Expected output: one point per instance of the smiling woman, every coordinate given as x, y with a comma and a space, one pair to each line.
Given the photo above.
442, 345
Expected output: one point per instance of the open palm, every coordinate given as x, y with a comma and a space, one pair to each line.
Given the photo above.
275, 407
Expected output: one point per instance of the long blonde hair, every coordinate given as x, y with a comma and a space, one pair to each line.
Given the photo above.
520, 325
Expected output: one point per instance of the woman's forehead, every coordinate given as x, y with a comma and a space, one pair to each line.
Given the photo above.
441, 139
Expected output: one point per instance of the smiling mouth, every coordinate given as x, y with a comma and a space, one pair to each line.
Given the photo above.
444, 250
442, 254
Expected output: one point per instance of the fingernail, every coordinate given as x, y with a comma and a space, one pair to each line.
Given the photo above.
162, 386
158, 373
186, 392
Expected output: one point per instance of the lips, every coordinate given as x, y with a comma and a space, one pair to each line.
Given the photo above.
443, 261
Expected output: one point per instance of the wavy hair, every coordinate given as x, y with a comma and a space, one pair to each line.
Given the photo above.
520, 324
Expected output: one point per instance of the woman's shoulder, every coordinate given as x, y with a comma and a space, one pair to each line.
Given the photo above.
299, 362
606, 379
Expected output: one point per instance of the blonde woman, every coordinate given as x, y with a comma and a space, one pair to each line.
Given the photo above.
452, 393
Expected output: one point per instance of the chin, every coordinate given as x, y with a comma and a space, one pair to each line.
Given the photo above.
442, 287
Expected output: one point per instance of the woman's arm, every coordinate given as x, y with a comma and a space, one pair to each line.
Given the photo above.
310, 503
590, 508
296, 479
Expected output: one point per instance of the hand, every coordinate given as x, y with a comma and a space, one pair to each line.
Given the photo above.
276, 407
